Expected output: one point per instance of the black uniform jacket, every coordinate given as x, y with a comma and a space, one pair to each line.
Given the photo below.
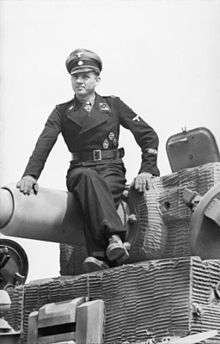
99, 129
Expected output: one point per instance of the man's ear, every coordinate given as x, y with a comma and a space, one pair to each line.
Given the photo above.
98, 79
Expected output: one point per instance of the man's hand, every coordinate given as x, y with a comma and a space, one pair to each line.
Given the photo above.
142, 181
28, 185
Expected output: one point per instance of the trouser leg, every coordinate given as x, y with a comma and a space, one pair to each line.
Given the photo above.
114, 176
97, 205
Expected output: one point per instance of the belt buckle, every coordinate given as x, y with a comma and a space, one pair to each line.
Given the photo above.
97, 154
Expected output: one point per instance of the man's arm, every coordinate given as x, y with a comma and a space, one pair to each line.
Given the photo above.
148, 141
28, 183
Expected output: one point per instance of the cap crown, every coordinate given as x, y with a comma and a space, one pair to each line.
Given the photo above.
83, 60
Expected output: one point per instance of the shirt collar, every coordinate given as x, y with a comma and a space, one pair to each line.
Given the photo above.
79, 104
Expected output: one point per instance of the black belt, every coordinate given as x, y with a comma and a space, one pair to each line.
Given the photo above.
97, 155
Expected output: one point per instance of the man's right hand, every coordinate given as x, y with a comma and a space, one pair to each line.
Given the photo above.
28, 185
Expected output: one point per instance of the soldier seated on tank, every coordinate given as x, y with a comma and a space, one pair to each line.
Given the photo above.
90, 125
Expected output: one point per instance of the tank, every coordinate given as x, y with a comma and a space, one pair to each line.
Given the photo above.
169, 289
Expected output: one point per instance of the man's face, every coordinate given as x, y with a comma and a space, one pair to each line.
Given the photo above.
84, 83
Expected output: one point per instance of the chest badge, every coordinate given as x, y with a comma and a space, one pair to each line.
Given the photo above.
104, 107
105, 144
111, 136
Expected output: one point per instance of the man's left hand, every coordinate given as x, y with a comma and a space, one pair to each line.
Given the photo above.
142, 181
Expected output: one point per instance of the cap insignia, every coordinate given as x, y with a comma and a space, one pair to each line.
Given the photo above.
79, 55
80, 63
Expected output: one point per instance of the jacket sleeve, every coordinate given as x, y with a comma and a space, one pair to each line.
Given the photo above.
144, 135
44, 145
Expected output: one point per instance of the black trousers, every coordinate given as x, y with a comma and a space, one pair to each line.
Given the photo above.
98, 189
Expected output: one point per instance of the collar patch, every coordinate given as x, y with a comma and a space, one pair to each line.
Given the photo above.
104, 107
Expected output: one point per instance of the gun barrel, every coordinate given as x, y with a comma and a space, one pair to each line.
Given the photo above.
51, 215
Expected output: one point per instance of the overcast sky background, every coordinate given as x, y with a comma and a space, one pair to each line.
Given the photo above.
160, 57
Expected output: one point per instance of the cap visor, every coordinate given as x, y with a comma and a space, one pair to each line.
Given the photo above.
84, 70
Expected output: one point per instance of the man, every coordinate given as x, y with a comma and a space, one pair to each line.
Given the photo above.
90, 125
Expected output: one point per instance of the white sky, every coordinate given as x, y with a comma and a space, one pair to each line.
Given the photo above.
161, 57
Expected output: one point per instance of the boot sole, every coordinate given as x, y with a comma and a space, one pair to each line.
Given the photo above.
90, 266
117, 253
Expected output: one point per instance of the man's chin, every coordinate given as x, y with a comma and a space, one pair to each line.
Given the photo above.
80, 93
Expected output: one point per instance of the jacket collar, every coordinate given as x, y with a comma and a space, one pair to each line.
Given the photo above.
99, 114
75, 113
